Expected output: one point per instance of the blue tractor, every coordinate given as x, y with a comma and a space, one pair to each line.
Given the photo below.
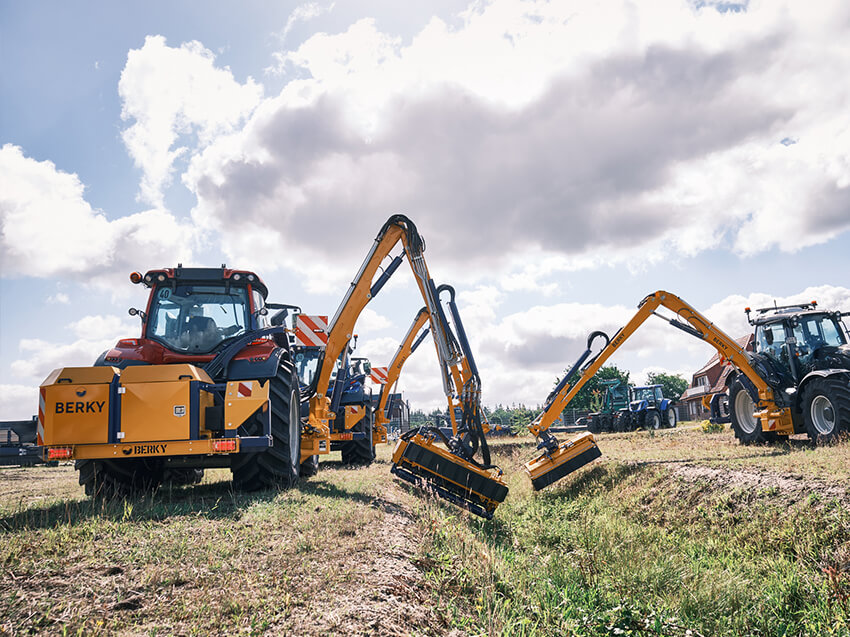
649, 408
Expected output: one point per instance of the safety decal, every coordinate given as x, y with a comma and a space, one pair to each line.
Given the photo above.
311, 330
244, 390
379, 375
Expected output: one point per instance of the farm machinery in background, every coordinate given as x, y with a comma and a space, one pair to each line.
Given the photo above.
627, 408
352, 427
797, 380
213, 382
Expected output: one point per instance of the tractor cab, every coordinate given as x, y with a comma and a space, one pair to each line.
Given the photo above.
650, 395
798, 339
192, 315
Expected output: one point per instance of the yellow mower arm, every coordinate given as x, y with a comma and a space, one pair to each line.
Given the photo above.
557, 460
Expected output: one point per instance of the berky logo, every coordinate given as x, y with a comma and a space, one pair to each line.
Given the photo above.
127, 451
81, 391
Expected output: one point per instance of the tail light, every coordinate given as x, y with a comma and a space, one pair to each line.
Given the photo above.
59, 453
225, 446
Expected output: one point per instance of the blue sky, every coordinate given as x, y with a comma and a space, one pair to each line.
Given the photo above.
561, 159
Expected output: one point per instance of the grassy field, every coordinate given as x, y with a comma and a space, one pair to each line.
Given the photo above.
680, 533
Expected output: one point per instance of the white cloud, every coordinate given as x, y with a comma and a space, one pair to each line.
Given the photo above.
93, 335
301, 13
50, 230
18, 402
173, 92
59, 298
536, 138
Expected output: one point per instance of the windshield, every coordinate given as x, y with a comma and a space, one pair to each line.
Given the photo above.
644, 393
307, 364
817, 331
196, 318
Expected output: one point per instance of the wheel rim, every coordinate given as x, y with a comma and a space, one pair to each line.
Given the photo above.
656, 421
823, 415
745, 412
671, 417
294, 429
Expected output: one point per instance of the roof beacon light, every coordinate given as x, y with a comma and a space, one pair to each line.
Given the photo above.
135, 277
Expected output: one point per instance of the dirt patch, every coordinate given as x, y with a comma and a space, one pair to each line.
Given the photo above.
385, 593
793, 487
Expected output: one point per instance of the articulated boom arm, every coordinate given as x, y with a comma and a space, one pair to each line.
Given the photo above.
778, 419
411, 341
397, 229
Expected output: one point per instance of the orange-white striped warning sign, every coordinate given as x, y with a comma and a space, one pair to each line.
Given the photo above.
311, 331
379, 375
41, 409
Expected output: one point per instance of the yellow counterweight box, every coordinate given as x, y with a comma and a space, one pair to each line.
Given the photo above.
156, 402
74, 405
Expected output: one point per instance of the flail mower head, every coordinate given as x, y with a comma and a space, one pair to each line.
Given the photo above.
561, 459
418, 459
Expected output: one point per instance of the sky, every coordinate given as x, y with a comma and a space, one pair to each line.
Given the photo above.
561, 159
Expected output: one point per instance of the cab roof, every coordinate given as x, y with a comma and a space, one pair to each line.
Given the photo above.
205, 275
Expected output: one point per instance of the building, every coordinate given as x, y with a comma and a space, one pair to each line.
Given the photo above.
710, 379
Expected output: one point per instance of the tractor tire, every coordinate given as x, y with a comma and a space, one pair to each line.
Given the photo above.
742, 415
606, 422
182, 477
593, 424
624, 421
277, 466
652, 420
826, 409
360, 452
309, 467
670, 418
119, 478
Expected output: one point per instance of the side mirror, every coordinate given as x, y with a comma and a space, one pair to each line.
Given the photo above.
134, 312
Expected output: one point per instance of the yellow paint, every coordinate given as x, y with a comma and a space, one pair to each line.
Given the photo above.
238, 409
70, 417
155, 410
150, 448
565, 452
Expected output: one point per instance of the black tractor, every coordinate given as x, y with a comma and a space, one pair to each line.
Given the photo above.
803, 354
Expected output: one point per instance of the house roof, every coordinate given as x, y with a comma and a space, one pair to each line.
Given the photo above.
745, 342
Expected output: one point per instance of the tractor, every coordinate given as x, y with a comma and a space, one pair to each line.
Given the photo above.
803, 354
649, 409
615, 403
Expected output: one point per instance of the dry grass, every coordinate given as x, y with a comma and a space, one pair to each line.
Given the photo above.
676, 531
334, 556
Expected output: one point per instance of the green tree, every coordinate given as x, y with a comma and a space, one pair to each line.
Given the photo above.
672, 385
592, 391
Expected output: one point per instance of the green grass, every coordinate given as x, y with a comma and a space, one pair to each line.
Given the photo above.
667, 533
633, 548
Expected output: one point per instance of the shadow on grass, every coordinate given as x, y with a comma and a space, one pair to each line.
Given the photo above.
218, 500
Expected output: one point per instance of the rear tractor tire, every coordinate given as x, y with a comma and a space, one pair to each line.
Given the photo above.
826, 409
310, 467
277, 466
360, 452
652, 420
119, 478
624, 421
742, 409
671, 419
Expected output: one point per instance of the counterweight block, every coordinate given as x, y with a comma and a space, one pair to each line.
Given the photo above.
421, 462
568, 457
